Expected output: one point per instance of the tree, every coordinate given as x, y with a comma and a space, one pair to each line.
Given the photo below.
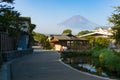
47, 44
67, 31
8, 1
115, 20
31, 39
31, 28
102, 42
9, 19
40, 38
8, 16
84, 32
91, 40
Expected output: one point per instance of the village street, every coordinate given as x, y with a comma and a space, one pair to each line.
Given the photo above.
45, 65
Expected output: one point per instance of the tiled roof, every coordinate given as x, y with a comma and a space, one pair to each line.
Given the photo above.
100, 33
68, 37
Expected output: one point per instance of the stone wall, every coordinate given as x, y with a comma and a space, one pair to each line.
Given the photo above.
9, 55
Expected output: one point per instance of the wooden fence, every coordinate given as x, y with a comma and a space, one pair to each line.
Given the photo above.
7, 43
7, 49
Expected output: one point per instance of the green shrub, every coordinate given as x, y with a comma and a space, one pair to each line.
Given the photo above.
103, 42
96, 51
109, 59
47, 45
118, 69
69, 54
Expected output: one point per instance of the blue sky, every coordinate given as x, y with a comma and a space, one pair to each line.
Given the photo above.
46, 14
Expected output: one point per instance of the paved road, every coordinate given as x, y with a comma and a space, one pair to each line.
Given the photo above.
45, 65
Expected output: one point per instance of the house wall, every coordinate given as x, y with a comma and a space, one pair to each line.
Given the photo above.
23, 42
58, 47
26, 24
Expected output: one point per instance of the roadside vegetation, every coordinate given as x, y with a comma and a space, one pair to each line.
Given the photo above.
42, 40
108, 59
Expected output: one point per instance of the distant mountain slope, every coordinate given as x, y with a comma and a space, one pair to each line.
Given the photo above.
79, 22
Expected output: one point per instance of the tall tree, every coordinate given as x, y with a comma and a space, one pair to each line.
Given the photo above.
67, 31
7, 15
115, 20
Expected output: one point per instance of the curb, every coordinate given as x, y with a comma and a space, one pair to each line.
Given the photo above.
5, 72
100, 77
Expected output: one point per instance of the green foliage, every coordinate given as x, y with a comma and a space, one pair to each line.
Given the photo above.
8, 1
95, 42
5, 17
9, 17
42, 39
39, 37
70, 54
103, 42
108, 59
31, 39
67, 31
115, 17
31, 28
91, 40
96, 51
115, 20
47, 44
84, 32
118, 69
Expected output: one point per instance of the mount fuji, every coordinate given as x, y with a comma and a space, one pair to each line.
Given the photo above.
79, 22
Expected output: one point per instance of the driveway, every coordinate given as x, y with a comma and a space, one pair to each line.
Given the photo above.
45, 65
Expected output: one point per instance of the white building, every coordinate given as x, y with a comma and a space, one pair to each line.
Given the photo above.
100, 32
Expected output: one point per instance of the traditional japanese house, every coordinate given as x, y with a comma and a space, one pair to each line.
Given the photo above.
70, 41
